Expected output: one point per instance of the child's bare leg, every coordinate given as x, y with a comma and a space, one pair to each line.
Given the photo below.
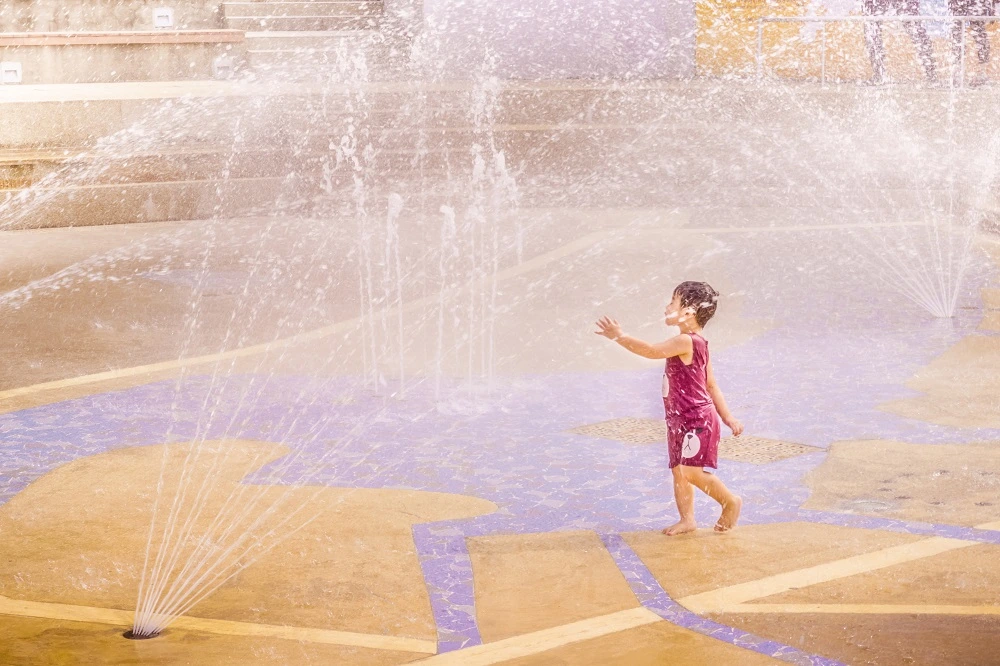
684, 495
713, 486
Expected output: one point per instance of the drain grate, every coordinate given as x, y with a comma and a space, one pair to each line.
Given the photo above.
760, 451
756, 450
629, 430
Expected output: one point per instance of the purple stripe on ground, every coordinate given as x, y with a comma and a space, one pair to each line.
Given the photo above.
447, 568
652, 596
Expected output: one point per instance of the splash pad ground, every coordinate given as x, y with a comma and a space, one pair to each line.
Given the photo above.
486, 526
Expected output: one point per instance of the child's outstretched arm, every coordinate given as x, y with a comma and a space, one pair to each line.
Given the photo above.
675, 346
720, 402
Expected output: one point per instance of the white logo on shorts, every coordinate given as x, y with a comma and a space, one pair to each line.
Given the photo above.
692, 445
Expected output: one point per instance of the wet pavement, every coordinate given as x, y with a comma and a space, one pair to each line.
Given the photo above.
808, 352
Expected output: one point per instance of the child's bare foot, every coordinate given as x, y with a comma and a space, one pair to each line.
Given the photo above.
730, 515
680, 527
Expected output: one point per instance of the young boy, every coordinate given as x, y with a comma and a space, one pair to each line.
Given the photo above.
693, 403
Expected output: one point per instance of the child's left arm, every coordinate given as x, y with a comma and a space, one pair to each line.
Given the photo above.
720, 402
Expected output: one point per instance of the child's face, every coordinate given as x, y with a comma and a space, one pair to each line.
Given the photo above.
672, 314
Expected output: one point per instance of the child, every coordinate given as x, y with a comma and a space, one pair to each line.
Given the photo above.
693, 403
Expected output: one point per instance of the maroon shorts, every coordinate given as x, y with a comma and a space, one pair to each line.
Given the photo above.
694, 442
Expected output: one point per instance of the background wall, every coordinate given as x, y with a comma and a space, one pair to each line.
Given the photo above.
728, 41
562, 38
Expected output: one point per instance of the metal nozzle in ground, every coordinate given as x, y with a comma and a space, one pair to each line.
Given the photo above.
132, 636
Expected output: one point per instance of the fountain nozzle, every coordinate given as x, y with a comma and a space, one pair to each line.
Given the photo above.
133, 636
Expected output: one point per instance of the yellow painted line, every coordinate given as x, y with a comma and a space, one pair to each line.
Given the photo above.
65, 612
862, 609
124, 619
724, 598
330, 636
124, 373
547, 639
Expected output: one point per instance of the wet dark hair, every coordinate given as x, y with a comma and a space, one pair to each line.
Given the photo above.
701, 297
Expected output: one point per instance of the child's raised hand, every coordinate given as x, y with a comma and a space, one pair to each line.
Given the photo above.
609, 328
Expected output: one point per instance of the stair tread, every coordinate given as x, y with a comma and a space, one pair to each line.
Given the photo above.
300, 2
302, 50
335, 3
271, 34
298, 17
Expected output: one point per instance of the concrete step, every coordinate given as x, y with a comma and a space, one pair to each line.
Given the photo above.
26, 168
115, 56
190, 199
294, 40
298, 9
570, 143
46, 169
651, 118
663, 110
318, 65
543, 155
301, 23
316, 55
138, 202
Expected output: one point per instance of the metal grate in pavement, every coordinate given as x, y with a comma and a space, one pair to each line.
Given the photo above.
760, 451
629, 430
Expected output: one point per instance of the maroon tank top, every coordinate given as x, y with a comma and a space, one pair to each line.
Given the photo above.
685, 394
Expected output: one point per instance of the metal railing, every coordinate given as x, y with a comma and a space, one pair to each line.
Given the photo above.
872, 18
